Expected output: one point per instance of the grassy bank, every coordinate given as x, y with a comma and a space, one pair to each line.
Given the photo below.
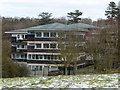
61, 81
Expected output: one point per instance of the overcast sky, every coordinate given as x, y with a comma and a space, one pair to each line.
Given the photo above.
94, 9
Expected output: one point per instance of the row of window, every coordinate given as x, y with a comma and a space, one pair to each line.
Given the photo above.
19, 46
45, 45
21, 36
38, 46
35, 68
39, 68
36, 57
43, 57
19, 56
45, 34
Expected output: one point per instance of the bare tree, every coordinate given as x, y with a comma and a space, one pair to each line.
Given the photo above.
69, 44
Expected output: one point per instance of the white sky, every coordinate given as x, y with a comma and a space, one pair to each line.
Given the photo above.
94, 9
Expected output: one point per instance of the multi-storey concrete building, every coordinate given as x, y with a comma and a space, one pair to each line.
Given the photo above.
37, 46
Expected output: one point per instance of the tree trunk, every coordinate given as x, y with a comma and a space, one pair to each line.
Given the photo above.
74, 68
65, 70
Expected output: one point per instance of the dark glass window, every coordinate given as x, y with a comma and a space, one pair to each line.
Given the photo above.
36, 68
51, 57
46, 45
40, 56
22, 56
45, 56
29, 56
38, 45
53, 34
48, 57
40, 68
54, 57
31, 44
31, 32
22, 46
22, 36
52, 45
33, 68
46, 34
53, 66
30, 67
46, 66
37, 57
18, 36
18, 46
38, 34
33, 56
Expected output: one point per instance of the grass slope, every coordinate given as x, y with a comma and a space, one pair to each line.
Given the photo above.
72, 81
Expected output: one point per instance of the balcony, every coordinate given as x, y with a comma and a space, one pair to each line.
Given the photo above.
20, 60
44, 62
15, 49
32, 49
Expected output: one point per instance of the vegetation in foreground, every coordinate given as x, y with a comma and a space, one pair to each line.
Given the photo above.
72, 81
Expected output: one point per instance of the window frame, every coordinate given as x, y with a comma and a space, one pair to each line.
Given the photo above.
38, 35
45, 36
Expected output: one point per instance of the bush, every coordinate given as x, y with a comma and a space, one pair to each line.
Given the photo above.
10, 70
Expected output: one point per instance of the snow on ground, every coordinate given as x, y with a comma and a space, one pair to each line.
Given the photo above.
71, 81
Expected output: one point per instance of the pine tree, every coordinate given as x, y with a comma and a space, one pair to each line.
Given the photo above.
74, 17
45, 18
112, 11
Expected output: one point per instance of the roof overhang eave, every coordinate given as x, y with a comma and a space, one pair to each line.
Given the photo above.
14, 32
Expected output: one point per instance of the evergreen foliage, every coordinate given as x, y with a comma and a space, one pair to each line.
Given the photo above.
45, 18
74, 17
112, 11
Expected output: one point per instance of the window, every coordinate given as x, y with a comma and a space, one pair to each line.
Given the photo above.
18, 46
40, 68
29, 56
31, 44
17, 56
36, 68
53, 66
38, 45
45, 56
46, 66
40, 57
55, 57
22, 56
37, 57
18, 36
51, 57
22, 46
31, 32
33, 56
23, 36
52, 34
46, 34
38, 34
30, 67
46, 45
52, 45
33, 68
80, 36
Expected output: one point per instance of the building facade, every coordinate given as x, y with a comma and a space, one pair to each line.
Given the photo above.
38, 48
